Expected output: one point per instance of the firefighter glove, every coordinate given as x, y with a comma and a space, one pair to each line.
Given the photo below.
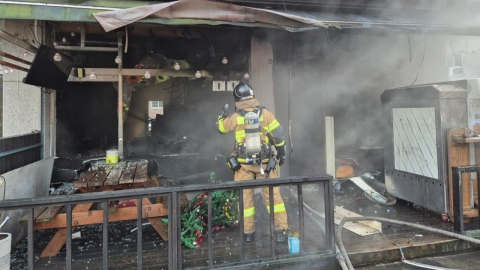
222, 115
281, 154
281, 160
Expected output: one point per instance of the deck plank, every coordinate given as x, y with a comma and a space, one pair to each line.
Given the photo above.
101, 176
141, 172
114, 175
83, 181
128, 173
49, 214
36, 212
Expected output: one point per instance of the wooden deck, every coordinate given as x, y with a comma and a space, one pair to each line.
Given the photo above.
362, 250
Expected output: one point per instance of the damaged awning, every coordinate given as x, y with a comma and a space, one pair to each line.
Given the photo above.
209, 12
115, 14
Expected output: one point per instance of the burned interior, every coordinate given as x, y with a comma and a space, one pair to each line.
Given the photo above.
200, 134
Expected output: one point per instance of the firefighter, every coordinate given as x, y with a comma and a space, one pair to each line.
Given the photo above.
258, 136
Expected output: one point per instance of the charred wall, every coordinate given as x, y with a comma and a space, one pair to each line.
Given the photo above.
86, 118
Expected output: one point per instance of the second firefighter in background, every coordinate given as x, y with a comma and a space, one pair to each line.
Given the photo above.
258, 135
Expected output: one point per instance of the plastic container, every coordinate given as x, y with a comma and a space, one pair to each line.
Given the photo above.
5, 248
112, 157
293, 245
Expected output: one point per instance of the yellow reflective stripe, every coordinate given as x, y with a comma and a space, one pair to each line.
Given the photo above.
240, 120
280, 144
249, 212
244, 160
277, 208
240, 135
273, 125
261, 118
221, 127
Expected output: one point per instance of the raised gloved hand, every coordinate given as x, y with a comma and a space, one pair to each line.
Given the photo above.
281, 155
222, 115
281, 159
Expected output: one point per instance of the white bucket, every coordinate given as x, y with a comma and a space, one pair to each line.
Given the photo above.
5, 248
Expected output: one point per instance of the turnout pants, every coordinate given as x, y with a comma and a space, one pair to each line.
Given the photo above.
249, 172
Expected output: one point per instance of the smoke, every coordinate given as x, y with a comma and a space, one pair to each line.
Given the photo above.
343, 74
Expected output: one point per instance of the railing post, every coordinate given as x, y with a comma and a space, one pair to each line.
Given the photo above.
105, 234
240, 225
301, 220
69, 237
329, 215
272, 222
139, 234
171, 235
210, 235
173, 221
30, 250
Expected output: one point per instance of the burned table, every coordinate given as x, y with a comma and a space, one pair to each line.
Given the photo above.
102, 177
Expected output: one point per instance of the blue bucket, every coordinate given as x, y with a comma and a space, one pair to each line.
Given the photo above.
293, 245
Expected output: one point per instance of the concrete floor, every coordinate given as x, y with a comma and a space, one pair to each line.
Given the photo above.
464, 261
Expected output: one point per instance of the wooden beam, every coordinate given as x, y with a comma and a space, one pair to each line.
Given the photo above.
8, 37
96, 216
4, 54
111, 74
13, 66
141, 72
58, 240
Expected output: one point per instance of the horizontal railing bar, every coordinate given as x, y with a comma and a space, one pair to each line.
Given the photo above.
155, 191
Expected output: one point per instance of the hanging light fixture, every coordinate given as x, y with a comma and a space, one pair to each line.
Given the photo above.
176, 66
147, 75
73, 34
57, 57
224, 60
246, 76
64, 40
25, 53
11, 70
118, 59
5, 71
93, 76
54, 43
198, 74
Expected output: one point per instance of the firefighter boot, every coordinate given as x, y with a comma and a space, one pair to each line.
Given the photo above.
249, 237
281, 236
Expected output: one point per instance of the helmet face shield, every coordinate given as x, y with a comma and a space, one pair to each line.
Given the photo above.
243, 91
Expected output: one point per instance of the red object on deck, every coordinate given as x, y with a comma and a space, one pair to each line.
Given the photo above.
126, 203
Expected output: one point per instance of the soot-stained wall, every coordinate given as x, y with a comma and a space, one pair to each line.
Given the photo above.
86, 118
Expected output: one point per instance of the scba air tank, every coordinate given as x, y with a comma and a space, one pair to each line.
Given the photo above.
252, 133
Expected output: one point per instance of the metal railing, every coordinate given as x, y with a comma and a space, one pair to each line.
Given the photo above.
174, 215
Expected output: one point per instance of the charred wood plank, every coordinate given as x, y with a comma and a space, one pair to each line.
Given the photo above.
141, 172
114, 175
85, 179
101, 176
128, 173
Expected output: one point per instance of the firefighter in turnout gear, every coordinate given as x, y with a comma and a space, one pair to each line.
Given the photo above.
258, 135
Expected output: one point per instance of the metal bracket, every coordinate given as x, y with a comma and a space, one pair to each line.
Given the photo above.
14, 151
